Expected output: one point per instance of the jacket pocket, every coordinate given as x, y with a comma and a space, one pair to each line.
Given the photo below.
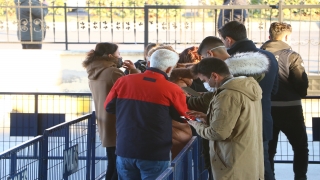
218, 163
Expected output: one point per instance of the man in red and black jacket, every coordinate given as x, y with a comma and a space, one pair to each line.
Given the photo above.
145, 105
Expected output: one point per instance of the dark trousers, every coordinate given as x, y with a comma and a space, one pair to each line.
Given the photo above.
290, 121
268, 174
112, 173
31, 46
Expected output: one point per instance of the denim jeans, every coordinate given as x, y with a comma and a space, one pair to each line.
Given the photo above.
111, 169
135, 169
290, 121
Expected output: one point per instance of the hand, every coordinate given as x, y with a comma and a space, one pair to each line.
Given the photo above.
192, 123
196, 114
128, 65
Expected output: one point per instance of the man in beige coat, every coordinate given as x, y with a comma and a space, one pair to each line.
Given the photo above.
233, 123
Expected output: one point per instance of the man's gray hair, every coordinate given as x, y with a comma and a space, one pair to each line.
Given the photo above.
163, 58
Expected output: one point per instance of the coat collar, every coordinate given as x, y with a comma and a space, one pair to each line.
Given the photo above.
275, 45
244, 45
157, 71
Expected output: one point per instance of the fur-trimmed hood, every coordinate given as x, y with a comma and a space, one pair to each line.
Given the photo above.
248, 64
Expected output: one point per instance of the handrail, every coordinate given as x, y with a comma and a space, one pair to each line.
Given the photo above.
21, 146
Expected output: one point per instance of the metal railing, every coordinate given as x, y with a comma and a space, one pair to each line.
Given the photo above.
37, 109
65, 151
42, 157
178, 25
189, 161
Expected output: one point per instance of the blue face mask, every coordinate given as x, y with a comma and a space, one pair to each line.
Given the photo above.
120, 63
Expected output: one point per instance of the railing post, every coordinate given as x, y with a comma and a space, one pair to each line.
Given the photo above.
93, 143
280, 10
43, 157
66, 25
146, 28
13, 164
89, 144
196, 158
66, 144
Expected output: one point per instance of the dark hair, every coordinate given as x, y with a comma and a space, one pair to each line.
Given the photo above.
148, 48
102, 49
209, 65
234, 29
209, 43
279, 29
189, 55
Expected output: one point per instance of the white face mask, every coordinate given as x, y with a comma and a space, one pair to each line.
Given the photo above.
207, 86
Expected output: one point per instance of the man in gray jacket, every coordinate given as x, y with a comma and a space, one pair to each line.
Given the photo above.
31, 22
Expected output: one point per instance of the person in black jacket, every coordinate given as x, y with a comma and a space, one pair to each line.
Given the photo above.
234, 36
286, 106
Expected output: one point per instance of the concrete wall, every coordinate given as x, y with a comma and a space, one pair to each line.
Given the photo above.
61, 71
47, 70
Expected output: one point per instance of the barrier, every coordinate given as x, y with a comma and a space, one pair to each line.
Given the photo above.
22, 161
189, 163
64, 151
45, 156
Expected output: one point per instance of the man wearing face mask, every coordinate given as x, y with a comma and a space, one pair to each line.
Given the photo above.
250, 64
145, 105
234, 36
233, 122
286, 107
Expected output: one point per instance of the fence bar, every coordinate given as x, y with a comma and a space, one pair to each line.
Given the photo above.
146, 26
66, 25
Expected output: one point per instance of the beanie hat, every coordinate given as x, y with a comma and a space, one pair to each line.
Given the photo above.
163, 58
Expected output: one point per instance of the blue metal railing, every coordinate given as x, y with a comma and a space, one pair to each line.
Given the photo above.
43, 156
23, 160
189, 163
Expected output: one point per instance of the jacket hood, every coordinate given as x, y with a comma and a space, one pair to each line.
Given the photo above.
248, 64
98, 65
248, 86
275, 45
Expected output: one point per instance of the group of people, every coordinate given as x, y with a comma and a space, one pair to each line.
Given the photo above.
247, 96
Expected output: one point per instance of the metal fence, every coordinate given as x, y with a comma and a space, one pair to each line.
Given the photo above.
65, 151
39, 111
134, 26
44, 155
189, 161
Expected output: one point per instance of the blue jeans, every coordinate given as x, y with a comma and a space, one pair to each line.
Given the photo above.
139, 169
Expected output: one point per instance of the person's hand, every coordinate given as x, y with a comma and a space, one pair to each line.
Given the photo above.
128, 65
199, 115
192, 123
